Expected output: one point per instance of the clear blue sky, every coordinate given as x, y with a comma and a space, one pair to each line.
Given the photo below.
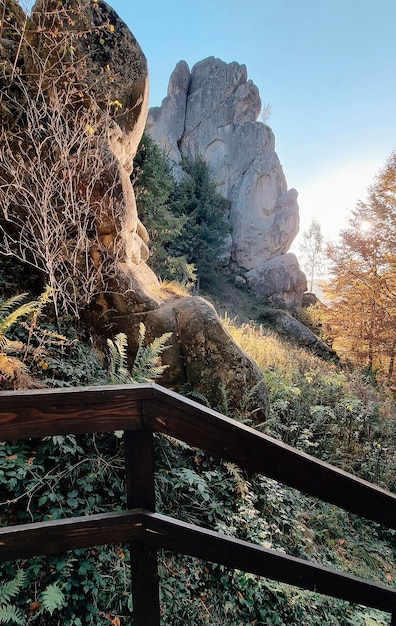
327, 67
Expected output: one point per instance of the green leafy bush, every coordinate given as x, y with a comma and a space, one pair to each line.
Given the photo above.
331, 413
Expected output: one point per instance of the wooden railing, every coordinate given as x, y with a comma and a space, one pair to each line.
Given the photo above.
141, 410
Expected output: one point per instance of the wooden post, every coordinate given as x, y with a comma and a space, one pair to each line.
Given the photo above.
139, 464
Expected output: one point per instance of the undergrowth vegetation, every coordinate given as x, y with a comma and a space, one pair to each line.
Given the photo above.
334, 414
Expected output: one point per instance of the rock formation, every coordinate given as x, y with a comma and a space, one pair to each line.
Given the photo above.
105, 71
212, 112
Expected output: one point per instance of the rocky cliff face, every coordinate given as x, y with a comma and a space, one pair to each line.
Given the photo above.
211, 111
98, 73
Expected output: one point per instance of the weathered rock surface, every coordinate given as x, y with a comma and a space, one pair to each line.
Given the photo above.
212, 112
279, 280
113, 72
296, 330
203, 355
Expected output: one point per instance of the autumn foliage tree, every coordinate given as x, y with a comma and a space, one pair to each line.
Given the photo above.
362, 316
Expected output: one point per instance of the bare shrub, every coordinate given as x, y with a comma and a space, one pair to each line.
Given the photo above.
60, 189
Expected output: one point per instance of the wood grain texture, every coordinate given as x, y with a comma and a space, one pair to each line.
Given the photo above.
141, 410
51, 412
140, 480
52, 537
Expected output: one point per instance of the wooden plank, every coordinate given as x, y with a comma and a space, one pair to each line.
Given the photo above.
223, 437
177, 536
41, 413
52, 537
139, 467
139, 464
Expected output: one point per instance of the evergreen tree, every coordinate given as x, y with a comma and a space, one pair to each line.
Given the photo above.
202, 238
153, 186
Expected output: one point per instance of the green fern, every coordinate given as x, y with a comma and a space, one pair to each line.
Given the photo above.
9, 614
147, 365
12, 368
11, 589
10, 312
15, 354
118, 370
52, 598
187, 391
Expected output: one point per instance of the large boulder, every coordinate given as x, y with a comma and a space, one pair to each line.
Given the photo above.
99, 74
295, 329
212, 112
202, 357
279, 280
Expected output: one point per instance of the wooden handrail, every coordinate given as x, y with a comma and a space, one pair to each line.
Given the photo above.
141, 410
161, 531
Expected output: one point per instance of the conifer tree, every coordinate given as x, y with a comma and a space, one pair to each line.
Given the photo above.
153, 186
202, 239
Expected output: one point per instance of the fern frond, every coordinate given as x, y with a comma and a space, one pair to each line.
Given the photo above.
8, 305
147, 365
11, 347
54, 337
121, 343
141, 348
237, 475
11, 615
52, 598
11, 588
185, 390
13, 370
13, 309
7, 321
118, 372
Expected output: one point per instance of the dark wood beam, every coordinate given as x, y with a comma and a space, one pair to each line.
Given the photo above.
52, 537
48, 412
177, 536
139, 464
225, 438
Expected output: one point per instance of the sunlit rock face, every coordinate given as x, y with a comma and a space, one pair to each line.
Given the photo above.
279, 279
211, 111
112, 77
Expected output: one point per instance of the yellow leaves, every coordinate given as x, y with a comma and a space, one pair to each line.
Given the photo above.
90, 130
111, 28
116, 103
